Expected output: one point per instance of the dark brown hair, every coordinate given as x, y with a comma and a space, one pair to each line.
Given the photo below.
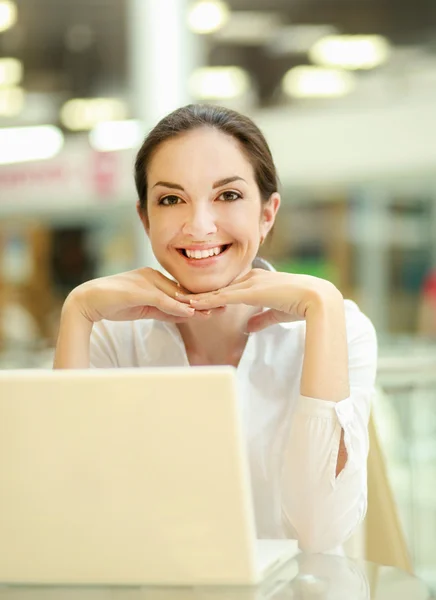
193, 116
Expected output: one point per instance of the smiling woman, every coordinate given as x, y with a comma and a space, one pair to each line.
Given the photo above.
220, 165
305, 358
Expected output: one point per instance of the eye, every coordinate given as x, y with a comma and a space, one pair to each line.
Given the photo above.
230, 196
169, 200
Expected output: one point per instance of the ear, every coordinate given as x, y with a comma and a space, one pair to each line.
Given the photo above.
268, 214
144, 217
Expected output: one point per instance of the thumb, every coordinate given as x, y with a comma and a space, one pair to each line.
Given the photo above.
262, 321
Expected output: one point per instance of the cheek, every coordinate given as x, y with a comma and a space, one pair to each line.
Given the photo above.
245, 224
162, 228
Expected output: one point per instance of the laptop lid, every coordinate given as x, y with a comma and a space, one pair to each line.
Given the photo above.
124, 476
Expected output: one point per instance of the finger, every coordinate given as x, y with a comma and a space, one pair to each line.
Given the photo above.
168, 286
210, 312
219, 310
233, 287
242, 283
187, 300
182, 297
226, 296
170, 306
202, 315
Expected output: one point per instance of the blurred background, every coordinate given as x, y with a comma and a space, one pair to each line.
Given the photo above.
345, 92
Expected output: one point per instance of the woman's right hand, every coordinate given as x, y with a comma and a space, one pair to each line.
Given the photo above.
140, 294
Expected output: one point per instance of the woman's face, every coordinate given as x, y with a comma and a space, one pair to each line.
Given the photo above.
205, 215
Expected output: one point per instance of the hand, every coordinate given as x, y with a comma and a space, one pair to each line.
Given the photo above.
139, 294
287, 297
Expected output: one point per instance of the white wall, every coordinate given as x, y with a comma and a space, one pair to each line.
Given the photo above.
329, 147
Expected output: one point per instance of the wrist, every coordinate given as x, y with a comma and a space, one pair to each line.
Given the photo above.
324, 298
73, 343
75, 307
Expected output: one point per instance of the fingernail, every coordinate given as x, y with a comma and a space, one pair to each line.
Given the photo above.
192, 301
207, 312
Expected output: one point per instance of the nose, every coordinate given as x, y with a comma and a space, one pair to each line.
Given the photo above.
200, 221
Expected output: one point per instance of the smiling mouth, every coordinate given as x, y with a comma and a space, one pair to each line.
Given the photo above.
202, 254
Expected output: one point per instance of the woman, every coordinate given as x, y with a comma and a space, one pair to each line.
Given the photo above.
207, 189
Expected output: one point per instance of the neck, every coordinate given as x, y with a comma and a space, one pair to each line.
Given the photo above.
219, 340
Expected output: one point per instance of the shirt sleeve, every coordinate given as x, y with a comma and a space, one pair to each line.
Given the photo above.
323, 510
102, 350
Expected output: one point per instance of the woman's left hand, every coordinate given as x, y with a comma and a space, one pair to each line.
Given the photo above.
287, 297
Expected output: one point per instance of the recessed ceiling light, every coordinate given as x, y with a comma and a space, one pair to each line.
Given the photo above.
208, 83
11, 71
116, 135
316, 82
81, 114
22, 144
351, 51
11, 101
8, 14
207, 16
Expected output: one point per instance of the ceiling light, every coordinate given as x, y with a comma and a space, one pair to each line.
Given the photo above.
209, 83
315, 82
11, 101
351, 51
22, 144
207, 16
116, 135
11, 71
8, 14
81, 114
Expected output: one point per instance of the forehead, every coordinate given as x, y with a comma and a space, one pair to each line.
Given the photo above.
203, 154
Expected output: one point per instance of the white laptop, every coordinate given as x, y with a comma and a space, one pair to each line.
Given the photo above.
280, 586
127, 476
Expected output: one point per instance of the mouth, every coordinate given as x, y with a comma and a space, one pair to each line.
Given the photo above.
204, 254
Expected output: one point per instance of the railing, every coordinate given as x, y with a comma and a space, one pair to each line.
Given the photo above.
404, 418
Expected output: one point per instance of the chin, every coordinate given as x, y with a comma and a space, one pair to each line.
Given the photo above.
201, 285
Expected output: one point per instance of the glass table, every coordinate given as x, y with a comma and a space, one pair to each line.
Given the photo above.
307, 577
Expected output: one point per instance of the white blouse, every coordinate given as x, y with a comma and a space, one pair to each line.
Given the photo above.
293, 441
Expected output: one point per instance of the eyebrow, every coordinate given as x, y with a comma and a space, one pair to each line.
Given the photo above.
217, 184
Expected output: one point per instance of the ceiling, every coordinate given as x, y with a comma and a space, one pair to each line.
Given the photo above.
76, 48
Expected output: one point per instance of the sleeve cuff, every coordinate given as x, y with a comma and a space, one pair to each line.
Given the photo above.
337, 413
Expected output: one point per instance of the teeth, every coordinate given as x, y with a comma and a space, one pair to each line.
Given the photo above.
203, 253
